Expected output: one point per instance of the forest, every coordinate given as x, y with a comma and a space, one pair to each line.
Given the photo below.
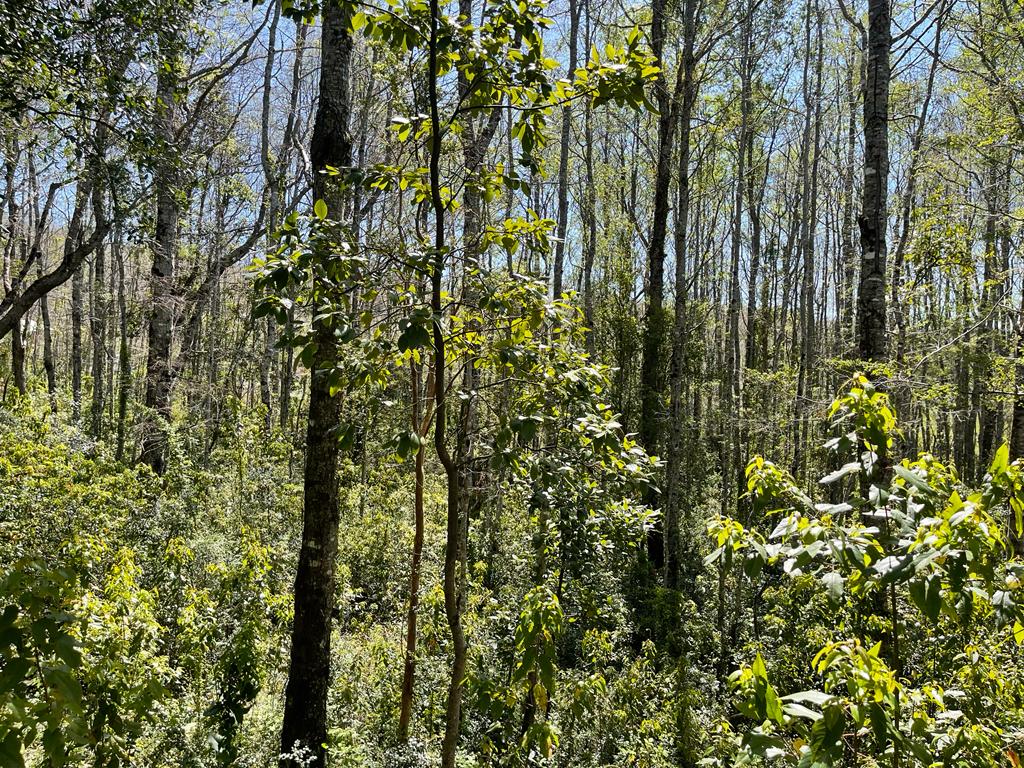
511, 383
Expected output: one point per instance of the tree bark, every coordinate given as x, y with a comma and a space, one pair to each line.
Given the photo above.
849, 249
420, 425
273, 192
98, 332
49, 365
655, 321
563, 157
287, 359
679, 363
76, 345
808, 226
124, 360
165, 245
453, 529
309, 677
872, 339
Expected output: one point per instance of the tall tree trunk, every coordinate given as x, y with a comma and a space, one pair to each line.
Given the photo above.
754, 201
98, 332
563, 157
732, 383
287, 359
849, 249
679, 362
18, 358
651, 373
309, 675
49, 365
124, 359
420, 424
989, 342
808, 226
165, 246
589, 206
273, 182
76, 345
453, 529
872, 340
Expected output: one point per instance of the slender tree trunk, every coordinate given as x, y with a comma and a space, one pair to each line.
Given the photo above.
420, 424
679, 363
76, 345
165, 246
49, 365
18, 358
589, 208
98, 331
124, 360
287, 359
309, 676
273, 182
754, 201
453, 530
809, 215
872, 339
563, 158
654, 332
732, 383
849, 249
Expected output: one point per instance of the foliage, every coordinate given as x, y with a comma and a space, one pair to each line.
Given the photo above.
915, 566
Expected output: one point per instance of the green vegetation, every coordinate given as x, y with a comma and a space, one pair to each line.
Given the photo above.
511, 384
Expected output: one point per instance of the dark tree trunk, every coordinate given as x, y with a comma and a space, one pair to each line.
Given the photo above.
165, 245
453, 528
872, 340
420, 424
679, 362
49, 365
124, 360
76, 345
589, 209
18, 359
563, 157
98, 332
309, 676
654, 332
809, 214
273, 181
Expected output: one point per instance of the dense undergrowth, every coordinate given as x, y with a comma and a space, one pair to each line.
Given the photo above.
145, 622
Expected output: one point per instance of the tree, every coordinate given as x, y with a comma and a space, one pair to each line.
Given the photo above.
872, 339
304, 729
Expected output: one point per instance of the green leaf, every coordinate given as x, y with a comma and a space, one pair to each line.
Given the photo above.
913, 478
1001, 460
414, 337
834, 584
847, 469
67, 650
66, 686
10, 752
773, 707
799, 710
320, 209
